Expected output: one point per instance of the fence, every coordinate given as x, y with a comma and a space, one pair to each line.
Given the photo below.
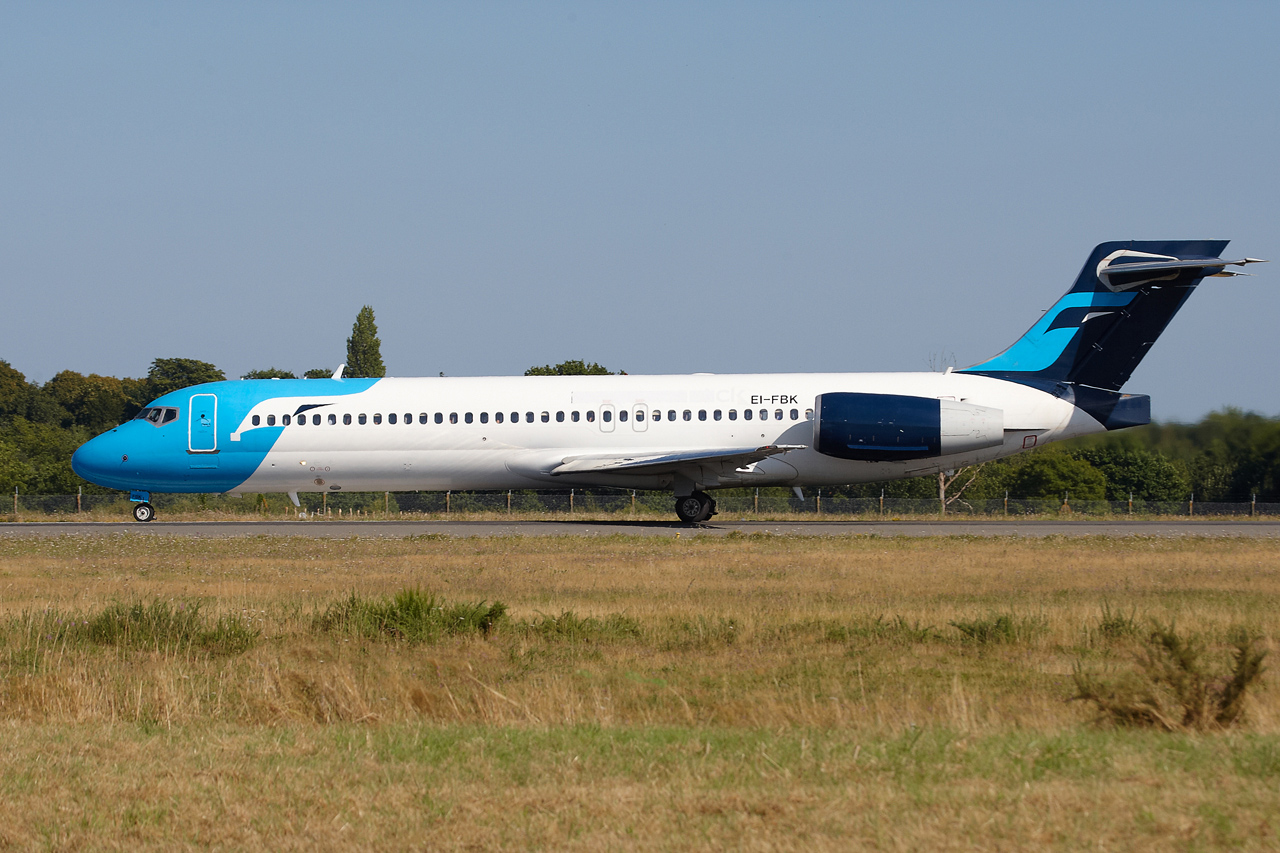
738, 503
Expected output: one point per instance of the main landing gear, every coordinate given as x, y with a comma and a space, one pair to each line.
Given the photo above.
695, 508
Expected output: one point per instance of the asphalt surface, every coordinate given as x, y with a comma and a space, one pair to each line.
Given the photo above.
316, 529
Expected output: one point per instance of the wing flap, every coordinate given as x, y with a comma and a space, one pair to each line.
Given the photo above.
666, 463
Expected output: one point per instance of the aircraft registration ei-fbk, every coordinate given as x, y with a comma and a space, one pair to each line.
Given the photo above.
687, 434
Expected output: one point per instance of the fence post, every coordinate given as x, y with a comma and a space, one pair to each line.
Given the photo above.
79, 494
633, 501
1191, 505
1131, 503
757, 504
446, 502
571, 502
882, 503
1253, 504
386, 504
1006, 501
819, 507
508, 501
15, 501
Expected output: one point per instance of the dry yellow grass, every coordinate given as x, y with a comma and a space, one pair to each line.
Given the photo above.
761, 692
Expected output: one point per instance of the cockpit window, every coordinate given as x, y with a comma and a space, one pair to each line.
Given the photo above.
157, 415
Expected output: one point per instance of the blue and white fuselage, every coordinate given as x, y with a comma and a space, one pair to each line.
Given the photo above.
688, 434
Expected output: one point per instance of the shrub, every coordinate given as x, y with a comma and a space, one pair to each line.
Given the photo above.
1176, 688
999, 628
411, 615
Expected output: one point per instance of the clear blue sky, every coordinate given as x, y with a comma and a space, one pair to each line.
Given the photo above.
721, 187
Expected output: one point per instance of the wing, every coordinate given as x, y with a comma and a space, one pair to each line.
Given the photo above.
721, 460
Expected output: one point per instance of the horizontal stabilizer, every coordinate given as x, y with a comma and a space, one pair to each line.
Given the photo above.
665, 463
1117, 274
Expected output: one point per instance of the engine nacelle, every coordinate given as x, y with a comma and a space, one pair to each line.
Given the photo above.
890, 427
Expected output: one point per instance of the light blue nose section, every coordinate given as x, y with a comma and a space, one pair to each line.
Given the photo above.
103, 461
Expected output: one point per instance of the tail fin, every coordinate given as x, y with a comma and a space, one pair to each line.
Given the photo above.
1096, 334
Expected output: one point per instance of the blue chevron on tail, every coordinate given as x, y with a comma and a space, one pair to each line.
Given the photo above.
1098, 332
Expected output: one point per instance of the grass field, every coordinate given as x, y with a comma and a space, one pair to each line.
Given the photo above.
755, 692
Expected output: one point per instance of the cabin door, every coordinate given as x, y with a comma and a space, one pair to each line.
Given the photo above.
202, 425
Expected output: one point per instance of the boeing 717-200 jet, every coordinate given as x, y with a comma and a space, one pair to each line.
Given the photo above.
687, 434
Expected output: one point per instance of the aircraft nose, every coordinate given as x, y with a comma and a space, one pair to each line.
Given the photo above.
98, 459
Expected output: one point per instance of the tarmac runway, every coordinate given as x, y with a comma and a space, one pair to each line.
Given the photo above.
317, 529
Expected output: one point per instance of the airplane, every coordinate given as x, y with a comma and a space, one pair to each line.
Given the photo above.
689, 434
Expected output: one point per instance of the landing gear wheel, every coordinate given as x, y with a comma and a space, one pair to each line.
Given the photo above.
143, 512
695, 508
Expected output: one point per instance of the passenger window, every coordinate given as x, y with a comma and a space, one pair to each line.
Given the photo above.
795, 414
439, 417
546, 417
671, 414
656, 415
591, 416
408, 417
422, 417
606, 416
702, 414
639, 414
391, 418
497, 417
515, 417
764, 414
688, 415
746, 414
453, 417
808, 414
528, 417
271, 420
733, 414
716, 414
286, 420
777, 414
346, 419
377, 417
622, 415
364, 419
333, 420
574, 417
559, 417
468, 417
257, 420
315, 420
484, 417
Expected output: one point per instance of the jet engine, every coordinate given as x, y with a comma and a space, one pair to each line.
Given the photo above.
892, 427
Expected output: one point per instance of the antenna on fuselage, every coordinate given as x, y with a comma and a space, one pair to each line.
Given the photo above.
337, 374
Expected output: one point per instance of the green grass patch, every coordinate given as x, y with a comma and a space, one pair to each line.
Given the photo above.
411, 615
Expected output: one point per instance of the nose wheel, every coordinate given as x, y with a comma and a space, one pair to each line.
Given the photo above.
695, 508
143, 512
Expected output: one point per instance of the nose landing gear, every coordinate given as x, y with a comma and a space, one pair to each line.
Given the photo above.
142, 508
695, 508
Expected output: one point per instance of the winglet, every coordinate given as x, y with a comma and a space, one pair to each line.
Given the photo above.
337, 374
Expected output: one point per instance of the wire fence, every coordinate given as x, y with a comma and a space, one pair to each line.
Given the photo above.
739, 503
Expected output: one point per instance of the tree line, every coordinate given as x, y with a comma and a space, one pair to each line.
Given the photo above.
1227, 456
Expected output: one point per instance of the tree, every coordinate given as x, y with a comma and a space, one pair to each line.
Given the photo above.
269, 373
569, 368
94, 402
1054, 474
1145, 475
320, 373
364, 350
15, 392
172, 374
